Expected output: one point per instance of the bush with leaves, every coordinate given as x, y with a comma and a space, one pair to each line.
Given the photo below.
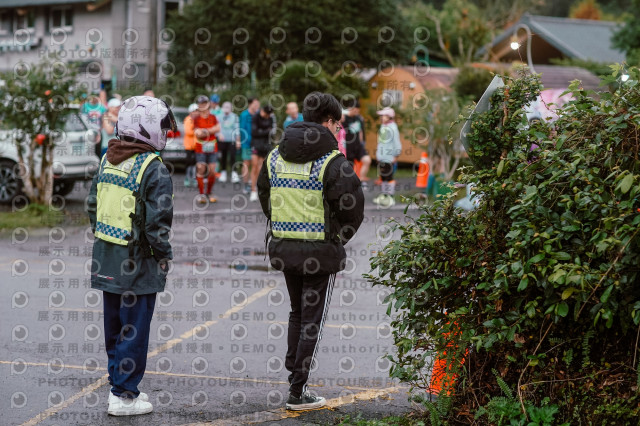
540, 282
471, 82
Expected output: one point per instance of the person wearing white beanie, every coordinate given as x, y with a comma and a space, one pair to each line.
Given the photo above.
387, 152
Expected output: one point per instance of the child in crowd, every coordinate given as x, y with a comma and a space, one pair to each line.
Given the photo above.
387, 152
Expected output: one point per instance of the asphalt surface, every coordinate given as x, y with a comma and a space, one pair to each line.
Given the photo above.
218, 335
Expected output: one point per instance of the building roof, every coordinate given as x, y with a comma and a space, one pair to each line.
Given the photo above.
576, 38
559, 77
434, 77
26, 3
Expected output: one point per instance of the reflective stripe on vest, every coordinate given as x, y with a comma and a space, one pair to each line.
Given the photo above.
297, 203
118, 187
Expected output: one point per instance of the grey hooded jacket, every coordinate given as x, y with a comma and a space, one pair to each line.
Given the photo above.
111, 269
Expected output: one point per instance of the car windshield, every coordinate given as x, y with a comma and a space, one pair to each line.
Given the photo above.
73, 123
180, 115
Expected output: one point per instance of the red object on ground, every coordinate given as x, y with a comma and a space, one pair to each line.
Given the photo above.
443, 377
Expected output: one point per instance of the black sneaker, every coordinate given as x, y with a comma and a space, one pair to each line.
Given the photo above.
305, 402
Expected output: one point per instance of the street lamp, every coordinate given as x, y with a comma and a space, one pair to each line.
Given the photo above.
515, 45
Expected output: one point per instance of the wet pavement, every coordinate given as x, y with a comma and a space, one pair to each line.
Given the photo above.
218, 336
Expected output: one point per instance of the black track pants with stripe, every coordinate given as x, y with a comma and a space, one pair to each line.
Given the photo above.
310, 296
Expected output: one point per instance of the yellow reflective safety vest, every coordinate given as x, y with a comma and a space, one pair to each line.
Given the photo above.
118, 187
298, 210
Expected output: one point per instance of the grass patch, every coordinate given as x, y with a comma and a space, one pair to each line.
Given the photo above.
33, 216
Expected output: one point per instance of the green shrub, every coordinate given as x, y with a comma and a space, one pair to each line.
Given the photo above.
471, 82
540, 282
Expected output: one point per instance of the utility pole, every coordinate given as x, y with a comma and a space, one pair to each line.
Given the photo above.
153, 30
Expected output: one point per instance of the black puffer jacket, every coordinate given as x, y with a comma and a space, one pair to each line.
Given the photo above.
304, 142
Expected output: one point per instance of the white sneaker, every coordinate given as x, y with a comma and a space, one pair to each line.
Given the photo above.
234, 177
377, 199
386, 200
143, 397
223, 176
253, 196
128, 407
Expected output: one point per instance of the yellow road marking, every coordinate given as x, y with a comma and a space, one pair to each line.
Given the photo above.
189, 333
197, 376
171, 343
155, 315
52, 410
45, 364
282, 413
164, 373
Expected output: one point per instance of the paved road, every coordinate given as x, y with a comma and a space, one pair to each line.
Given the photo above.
219, 331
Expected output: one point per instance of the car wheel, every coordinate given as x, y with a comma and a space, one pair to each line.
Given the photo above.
63, 187
10, 183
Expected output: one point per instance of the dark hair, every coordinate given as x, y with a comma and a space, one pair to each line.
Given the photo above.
350, 102
251, 99
319, 107
267, 108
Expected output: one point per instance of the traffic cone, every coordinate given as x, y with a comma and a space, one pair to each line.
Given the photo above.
423, 171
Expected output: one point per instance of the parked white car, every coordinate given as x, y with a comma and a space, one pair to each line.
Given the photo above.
74, 158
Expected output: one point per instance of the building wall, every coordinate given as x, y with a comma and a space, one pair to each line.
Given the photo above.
402, 85
99, 39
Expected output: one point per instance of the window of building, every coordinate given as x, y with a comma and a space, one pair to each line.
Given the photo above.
391, 98
6, 26
169, 6
61, 18
26, 19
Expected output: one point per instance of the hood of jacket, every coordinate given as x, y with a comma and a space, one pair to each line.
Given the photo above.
119, 150
305, 141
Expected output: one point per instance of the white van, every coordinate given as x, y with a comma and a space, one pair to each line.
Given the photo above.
74, 158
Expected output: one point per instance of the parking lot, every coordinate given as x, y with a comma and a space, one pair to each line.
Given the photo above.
219, 331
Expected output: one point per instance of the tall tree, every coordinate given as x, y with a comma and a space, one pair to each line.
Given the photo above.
458, 30
627, 38
586, 9
220, 41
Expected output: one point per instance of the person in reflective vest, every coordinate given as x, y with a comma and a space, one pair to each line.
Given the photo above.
314, 203
130, 207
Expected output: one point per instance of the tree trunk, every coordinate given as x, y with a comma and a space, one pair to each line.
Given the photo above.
45, 184
26, 170
47, 188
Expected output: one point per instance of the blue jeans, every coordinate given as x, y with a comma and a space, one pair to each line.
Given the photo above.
127, 320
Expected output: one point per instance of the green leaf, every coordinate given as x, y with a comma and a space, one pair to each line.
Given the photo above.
562, 309
561, 255
500, 167
513, 234
606, 294
537, 258
558, 277
568, 292
524, 282
626, 183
